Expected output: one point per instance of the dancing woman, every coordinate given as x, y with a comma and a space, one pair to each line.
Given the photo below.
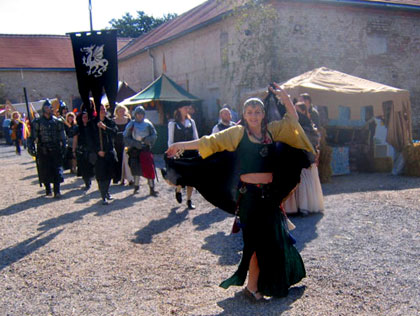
269, 258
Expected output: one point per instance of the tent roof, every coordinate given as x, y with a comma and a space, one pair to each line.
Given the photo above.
332, 88
162, 89
124, 92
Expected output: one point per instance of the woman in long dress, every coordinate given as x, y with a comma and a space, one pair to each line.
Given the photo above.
308, 197
121, 119
269, 258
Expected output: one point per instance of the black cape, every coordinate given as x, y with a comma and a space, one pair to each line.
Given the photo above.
217, 176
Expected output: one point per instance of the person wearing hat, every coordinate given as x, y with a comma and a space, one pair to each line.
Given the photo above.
140, 136
183, 128
48, 134
268, 158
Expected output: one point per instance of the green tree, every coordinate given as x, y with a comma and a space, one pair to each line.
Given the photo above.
2, 93
129, 26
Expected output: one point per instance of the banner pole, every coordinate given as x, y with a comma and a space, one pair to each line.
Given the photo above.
90, 15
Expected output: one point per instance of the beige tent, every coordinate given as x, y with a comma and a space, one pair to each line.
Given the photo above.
332, 89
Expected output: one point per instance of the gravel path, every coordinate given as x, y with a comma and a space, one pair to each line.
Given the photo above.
151, 256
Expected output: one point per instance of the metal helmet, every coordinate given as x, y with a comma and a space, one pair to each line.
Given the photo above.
139, 110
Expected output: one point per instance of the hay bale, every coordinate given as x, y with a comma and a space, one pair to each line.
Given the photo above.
411, 154
325, 158
382, 164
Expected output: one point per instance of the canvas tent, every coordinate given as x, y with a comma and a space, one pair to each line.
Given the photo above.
124, 92
160, 99
333, 89
162, 89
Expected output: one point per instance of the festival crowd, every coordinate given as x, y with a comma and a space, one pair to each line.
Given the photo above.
271, 168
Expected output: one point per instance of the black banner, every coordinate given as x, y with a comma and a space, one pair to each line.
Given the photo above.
95, 58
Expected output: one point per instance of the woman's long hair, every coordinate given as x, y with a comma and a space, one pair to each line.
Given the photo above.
120, 106
178, 116
74, 118
79, 118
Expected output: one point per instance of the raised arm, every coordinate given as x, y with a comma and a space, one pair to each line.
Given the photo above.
282, 95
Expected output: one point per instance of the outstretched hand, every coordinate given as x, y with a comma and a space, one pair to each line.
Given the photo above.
174, 150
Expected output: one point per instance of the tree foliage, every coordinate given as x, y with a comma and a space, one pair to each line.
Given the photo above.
129, 26
2, 93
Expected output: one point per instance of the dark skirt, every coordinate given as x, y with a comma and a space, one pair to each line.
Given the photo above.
105, 166
85, 165
264, 231
118, 166
68, 158
50, 164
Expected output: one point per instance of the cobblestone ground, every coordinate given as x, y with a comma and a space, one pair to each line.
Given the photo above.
142, 255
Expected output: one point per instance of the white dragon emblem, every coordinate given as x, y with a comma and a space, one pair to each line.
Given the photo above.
94, 60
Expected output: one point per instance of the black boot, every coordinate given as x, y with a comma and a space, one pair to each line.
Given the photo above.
57, 193
88, 183
153, 192
190, 205
47, 189
136, 189
178, 197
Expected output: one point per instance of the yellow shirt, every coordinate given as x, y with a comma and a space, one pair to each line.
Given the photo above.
287, 130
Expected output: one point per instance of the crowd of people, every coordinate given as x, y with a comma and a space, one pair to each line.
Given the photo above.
276, 169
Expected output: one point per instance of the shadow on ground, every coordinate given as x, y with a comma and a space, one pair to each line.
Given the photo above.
306, 229
15, 253
239, 305
100, 210
155, 227
204, 221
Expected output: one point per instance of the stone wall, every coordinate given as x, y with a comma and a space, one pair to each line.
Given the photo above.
378, 45
40, 85
381, 45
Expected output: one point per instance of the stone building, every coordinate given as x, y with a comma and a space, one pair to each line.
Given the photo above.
43, 64
218, 52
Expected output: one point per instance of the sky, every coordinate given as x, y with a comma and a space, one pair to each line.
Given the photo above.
58, 17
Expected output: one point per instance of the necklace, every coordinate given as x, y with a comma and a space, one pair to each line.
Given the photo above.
260, 139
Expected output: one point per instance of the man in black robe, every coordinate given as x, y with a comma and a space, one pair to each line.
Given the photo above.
49, 136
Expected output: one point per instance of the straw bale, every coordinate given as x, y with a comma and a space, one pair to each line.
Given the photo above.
411, 154
382, 164
325, 158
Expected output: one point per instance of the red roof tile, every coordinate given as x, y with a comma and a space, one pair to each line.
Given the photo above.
404, 2
195, 17
201, 15
38, 51
35, 51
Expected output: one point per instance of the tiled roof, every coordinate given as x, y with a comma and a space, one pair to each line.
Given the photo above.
404, 2
38, 51
206, 13
200, 15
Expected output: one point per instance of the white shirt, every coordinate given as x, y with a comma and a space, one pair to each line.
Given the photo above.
187, 123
